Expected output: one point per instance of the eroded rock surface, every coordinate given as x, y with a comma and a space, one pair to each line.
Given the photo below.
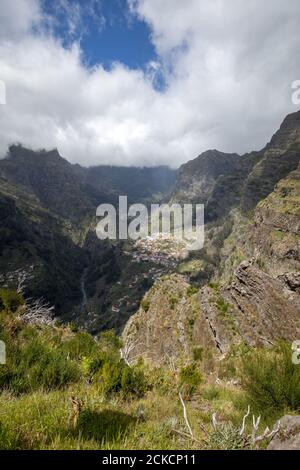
288, 437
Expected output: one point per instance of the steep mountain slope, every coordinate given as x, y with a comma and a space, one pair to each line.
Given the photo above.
139, 184
224, 181
48, 217
253, 296
280, 157
55, 182
214, 179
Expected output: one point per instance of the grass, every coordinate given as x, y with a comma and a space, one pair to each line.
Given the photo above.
271, 380
130, 407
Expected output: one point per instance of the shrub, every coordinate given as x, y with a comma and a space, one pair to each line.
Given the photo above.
198, 354
191, 290
10, 300
109, 339
81, 344
33, 365
226, 437
115, 376
133, 381
111, 374
211, 393
271, 380
189, 379
222, 306
173, 301
145, 305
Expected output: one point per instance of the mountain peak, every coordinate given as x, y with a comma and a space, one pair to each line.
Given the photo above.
18, 151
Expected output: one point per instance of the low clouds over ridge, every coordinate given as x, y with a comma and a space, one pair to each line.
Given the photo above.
228, 67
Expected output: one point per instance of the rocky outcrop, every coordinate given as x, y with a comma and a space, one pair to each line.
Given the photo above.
214, 179
255, 309
276, 230
288, 437
169, 324
280, 157
48, 216
224, 181
252, 256
265, 308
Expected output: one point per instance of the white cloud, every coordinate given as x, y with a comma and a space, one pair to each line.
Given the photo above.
18, 17
228, 64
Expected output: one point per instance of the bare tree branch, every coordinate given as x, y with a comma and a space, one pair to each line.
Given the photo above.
244, 421
186, 417
38, 311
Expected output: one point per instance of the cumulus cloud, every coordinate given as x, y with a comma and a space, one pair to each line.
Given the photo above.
18, 17
228, 66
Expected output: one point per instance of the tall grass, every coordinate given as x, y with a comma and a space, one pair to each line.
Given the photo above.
271, 380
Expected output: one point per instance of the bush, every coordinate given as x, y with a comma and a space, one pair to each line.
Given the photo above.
211, 393
271, 380
109, 340
133, 382
8, 439
191, 290
198, 354
222, 306
33, 364
115, 376
226, 437
80, 345
10, 300
173, 301
110, 377
145, 305
189, 379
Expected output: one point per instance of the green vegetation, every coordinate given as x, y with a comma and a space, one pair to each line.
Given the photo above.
226, 437
192, 290
189, 379
173, 301
125, 407
198, 354
10, 300
145, 305
271, 380
222, 306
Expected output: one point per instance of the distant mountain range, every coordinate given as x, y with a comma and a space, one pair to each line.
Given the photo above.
48, 215
222, 181
243, 287
47, 222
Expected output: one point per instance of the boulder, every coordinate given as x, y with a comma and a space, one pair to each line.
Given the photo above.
288, 437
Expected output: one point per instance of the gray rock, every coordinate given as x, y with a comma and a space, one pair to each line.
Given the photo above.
288, 437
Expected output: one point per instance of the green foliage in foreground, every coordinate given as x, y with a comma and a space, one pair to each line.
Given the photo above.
10, 300
53, 358
190, 377
271, 380
132, 407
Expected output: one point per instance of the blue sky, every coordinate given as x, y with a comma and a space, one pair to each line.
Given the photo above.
157, 83
107, 32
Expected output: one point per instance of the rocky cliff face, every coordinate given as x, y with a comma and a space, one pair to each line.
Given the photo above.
280, 157
224, 181
254, 293
47, 215
276, 231
214, 179
169, 324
